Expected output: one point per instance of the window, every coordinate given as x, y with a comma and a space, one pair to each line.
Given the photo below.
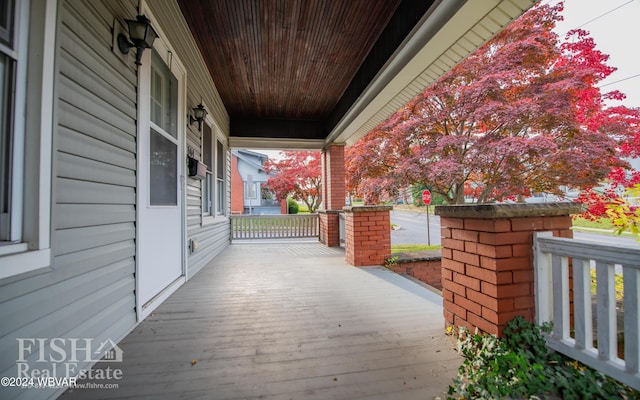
163, 167
27, 54
207, 158
8, 61
220, 178
250, 191
213, 186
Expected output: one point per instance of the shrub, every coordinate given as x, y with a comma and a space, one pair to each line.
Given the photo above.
520, 366
293, 206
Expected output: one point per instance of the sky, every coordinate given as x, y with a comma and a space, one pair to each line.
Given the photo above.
614, 25
272, 154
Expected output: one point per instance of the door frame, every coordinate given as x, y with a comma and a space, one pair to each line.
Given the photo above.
169, 55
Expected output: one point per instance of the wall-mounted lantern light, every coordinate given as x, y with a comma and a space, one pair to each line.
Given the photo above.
141, 34
199, 113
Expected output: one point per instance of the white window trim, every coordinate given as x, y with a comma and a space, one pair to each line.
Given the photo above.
207, 187
33, 191
207, 216
220, 139
216, 136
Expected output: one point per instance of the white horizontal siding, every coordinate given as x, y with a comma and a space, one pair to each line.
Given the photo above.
89, 292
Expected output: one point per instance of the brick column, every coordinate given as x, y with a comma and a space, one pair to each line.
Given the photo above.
487, 260
368, 235
333, 194
333, 177
329, 227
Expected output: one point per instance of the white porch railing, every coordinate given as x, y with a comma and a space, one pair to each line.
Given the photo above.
552, 259
274, 226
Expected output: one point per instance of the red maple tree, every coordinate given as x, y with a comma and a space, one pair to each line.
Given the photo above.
296, 175
522, 114
624, 123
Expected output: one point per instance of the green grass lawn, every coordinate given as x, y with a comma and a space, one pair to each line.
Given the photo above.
303, 209
406, 248
602, 223
605, 224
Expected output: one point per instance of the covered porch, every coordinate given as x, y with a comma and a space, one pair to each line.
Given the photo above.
287, 321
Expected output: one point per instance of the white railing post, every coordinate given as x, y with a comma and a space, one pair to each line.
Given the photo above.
542, 281
582, 303
560, 273
631, 304
606, 311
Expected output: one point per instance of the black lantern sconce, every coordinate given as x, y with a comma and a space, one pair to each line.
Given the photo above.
199, 113
141, 34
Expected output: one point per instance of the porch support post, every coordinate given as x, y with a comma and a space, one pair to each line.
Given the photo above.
329, 227
487, 260
368, 235
333, 194
333, 178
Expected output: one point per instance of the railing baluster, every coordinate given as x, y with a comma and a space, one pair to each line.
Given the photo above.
631, 304
582, 303
273, 227
606, 310
560, 270
285, 227
543, 283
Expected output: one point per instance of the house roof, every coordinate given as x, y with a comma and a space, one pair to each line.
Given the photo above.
306, 73
254, 159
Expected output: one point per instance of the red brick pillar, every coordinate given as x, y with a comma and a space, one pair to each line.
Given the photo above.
487, 260
237, 188
368, 235
333, 177
329, 227
333, 194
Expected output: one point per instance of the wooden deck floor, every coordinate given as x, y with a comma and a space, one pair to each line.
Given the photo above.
288, 321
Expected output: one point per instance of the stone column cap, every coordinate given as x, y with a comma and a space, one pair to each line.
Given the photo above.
355, 209
497, 211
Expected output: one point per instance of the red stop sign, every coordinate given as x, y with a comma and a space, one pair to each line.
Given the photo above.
426, 197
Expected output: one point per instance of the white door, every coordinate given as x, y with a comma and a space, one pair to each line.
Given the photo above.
160, 252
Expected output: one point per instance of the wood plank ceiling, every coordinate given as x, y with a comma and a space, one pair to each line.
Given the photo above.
292, 68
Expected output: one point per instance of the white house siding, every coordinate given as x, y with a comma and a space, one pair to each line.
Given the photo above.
89, 291
212, 234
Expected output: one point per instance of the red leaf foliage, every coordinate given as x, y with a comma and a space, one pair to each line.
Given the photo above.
297, 175
523, 113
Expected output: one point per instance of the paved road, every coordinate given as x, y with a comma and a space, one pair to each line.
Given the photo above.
625, 241
413, 228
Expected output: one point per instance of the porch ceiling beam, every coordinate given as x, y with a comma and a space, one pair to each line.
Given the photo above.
447, 34
277, 128
275, 144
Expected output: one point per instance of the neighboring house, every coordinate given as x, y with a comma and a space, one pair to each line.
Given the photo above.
247, 180
100, 220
